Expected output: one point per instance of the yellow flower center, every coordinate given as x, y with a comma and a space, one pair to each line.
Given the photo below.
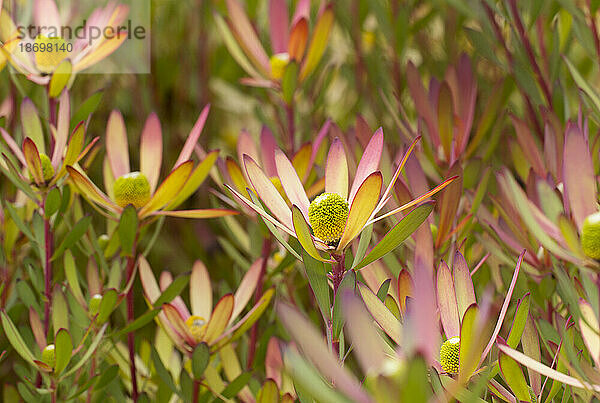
132, 188
327, 214
197, 326
590, 236
49, 52
48, 355
47, 168
278, 64
450, 355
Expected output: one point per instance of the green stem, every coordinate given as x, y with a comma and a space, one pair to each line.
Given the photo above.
338, 270
131, 335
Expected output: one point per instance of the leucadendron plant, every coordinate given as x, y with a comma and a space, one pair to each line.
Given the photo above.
136, 198
206, 330
52, 65
335, 217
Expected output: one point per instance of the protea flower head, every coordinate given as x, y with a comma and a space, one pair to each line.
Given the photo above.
44, 166
140, 188
39, 66
289, 41
590, 236
339, 214
214, 326
450, 355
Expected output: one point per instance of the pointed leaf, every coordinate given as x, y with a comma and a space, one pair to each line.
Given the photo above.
381, 314
117, 148
303, 234
34, 163
318, 42
447, 305
200, 291
32, 127
60, 78
590, 330
361, 208
267, 192
398, 234
336, 170
63, 350
291, 183
219, 319
151, 149
169, 189
463, 284
518, 325
368, 163
317, 278
312, 345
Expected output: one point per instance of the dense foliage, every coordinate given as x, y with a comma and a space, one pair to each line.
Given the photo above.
345, 201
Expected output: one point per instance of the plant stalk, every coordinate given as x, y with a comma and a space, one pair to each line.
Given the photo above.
131, 335
266, 250
289, 108
338, 270
196, 391
47, 274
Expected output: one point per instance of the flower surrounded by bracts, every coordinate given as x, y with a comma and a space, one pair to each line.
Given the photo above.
140, 188
65, 58
557, 211
293, 53
336, 217
44, 165
263, 154
216, 326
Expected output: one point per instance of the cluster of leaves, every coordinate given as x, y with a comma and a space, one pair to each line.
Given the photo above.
466, 263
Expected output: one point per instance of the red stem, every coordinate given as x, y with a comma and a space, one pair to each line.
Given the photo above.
196, 392
266, 250
47, 275
131, 335
530, 52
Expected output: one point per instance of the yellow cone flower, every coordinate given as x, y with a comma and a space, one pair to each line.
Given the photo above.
590, 236
449, 355
132, 188
328, 213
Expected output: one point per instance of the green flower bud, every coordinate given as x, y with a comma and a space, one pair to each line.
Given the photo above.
327, 214
48, 355
103, 241
590, 236
278, 64
450, 355
47, 168
132, 188
94, 305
